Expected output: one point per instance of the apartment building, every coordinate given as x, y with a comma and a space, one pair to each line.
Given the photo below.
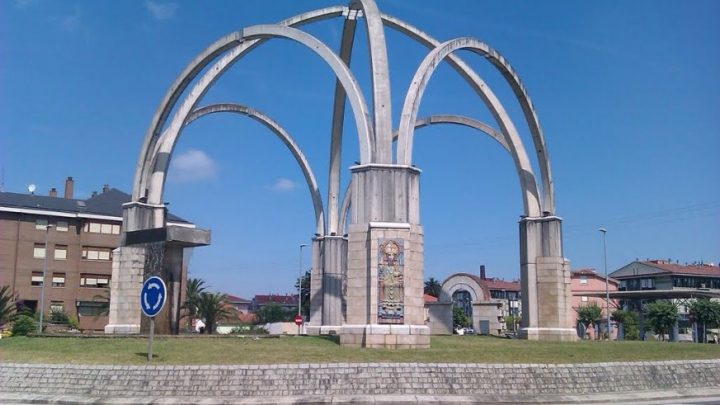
67, 245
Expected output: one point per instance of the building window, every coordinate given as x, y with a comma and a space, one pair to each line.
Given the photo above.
96, 227
94, 281
583, 279
39, 251
37, 279
89, 253
58, 280
60, 252
57, 306
584, 298
61, 226
41, 224
91, 308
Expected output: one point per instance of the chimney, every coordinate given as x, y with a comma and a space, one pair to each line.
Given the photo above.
482, 271
69, 183
53, 192
106, 188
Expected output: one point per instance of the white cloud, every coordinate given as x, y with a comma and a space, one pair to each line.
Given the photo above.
23, 4
70, 22
283, 185
161, 11
192, 166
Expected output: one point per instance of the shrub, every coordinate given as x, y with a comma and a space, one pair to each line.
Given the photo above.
59, 317
23, 325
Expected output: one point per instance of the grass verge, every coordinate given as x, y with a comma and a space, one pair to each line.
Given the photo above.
237, 350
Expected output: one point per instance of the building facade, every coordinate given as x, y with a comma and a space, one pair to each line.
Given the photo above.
585, 285
487, 301
65, 244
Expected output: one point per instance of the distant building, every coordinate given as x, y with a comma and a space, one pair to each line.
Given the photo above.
659, 279
487, 301
241, 305
288, 302
81, 235
584, 282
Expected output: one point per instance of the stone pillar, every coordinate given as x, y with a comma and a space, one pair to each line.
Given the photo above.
545, 281
316, 295
125, 285
385, 306
334, 262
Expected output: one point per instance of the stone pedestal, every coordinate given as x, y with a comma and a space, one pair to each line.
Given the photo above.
545, 274
145, 253
385, 306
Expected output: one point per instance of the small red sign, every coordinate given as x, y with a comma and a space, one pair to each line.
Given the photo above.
298, 320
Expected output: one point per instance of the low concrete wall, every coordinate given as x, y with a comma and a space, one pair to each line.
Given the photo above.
347, 379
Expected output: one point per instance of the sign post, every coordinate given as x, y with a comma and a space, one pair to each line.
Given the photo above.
152, 300
298, 322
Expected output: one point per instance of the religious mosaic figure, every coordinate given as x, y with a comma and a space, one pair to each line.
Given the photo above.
390, 282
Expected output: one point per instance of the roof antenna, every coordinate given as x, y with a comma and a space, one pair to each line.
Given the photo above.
2, 179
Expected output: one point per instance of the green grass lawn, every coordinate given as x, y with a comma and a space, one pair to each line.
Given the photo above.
237, 350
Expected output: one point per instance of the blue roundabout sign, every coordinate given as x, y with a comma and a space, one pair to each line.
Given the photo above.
153, 296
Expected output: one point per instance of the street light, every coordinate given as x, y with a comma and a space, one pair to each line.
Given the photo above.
300, 282
42, 288
607, 291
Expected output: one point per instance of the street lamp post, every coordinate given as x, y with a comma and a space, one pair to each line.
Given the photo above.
300, 283
607, 291
42, 288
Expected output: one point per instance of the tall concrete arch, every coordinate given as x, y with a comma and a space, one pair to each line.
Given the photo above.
384, 216
286, 139
544, 270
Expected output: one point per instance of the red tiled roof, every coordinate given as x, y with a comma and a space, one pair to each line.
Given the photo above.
429, 298
233, 299
586, 271
497, 284
700, 269
279, 299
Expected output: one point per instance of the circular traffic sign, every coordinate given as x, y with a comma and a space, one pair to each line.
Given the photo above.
298, 320
153, 296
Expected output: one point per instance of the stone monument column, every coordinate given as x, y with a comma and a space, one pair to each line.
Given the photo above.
385, 306
546, 295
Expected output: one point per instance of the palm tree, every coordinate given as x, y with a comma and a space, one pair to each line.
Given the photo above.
7, 305
194, 288
211, 307
433, 287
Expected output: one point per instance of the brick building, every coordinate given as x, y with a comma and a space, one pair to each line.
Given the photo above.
77, 236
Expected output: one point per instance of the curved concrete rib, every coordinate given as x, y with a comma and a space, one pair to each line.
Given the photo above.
228, 42
338, 119
343, 74
285, 138
548, 201
380, 77
432, 120
414, 94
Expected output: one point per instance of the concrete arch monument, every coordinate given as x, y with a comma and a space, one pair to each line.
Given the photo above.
367, 279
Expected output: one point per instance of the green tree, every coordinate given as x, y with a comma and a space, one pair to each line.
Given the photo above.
629, 320
211, 307
460, 319
661, 316
23, 325
304, 293
8, 305
273, 312
705, 313
432, 287
194, 288
589, 314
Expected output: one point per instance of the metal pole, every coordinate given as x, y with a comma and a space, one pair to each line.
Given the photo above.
150, 339
42, 288
607, 291
300, 284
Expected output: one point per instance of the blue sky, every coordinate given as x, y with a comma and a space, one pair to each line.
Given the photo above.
627, 94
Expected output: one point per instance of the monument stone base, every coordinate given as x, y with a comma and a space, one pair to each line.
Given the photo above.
386, 336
